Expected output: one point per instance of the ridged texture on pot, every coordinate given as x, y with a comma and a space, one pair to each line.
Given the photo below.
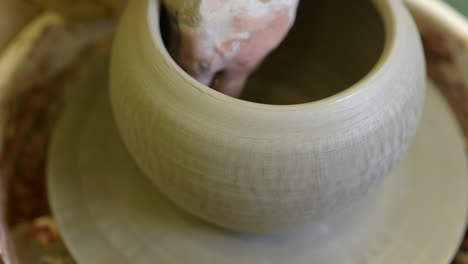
263, 168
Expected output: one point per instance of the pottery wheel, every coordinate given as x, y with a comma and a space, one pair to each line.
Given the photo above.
110, 213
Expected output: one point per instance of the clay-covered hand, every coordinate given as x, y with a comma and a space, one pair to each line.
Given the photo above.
220, 42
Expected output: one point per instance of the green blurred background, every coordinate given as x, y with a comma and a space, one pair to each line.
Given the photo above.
461, 5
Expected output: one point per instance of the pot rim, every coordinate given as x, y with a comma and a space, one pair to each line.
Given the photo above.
386, 10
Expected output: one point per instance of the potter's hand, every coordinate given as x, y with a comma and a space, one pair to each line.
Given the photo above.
220, 42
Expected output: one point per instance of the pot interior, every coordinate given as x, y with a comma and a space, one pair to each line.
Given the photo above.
333, 44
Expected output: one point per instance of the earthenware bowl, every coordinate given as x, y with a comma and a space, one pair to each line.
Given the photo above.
345, 93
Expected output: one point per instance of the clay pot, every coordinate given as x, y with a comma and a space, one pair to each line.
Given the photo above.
322, 123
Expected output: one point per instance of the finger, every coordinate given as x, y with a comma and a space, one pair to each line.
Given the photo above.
204, 78
230, 82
